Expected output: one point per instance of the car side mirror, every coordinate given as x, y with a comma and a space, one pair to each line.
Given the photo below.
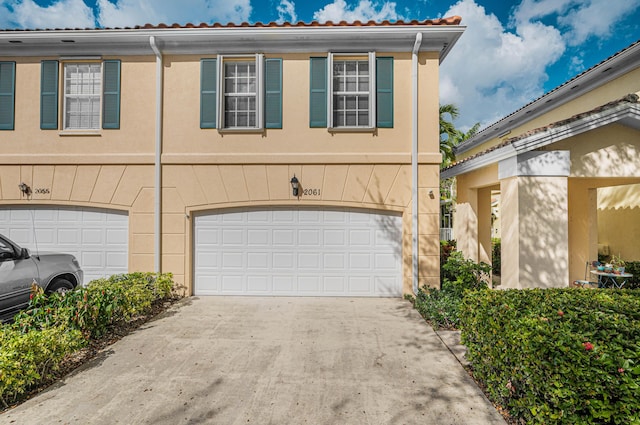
24, 253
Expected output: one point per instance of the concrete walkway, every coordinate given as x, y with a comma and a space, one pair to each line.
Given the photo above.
239, 360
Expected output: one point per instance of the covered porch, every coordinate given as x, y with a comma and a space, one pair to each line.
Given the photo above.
550, 181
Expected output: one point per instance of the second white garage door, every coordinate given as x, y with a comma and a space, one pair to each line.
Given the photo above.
99, 238
298, 252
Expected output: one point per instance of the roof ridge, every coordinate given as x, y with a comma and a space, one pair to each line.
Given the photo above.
451, 20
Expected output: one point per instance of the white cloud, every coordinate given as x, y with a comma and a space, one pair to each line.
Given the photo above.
364, 11
140, 12
61, 14
580, 19
491, 71
287, 11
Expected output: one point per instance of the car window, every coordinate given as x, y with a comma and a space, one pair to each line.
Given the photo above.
6, 251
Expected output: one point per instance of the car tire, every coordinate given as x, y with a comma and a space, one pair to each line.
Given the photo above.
60, 286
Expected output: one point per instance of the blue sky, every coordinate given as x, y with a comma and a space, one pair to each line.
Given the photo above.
512, 52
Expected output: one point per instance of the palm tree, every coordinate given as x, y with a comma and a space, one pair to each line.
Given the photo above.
448, 132
450, 137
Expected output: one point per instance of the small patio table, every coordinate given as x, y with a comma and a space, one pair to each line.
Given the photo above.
609, 279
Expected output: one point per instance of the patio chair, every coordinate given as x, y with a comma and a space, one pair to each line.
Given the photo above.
587, 282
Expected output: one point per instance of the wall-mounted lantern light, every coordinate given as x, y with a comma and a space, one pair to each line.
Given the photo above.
295, 185
25, 189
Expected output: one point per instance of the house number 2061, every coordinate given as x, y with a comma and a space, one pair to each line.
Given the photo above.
311, 192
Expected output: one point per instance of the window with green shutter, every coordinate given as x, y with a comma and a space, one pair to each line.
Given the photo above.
7, 95
351, 91
241, 92
90, 94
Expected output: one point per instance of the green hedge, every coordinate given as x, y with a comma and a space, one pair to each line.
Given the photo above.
561, 356
33, 347
440, 307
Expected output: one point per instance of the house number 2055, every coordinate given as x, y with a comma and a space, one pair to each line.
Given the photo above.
311, 192
41, 191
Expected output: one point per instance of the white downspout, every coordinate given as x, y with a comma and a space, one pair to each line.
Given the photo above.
414, 162
158, 159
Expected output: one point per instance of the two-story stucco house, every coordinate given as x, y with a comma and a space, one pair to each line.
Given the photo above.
567, 167
276, 159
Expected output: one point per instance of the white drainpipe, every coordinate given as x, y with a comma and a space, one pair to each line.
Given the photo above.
414, 162
158, 159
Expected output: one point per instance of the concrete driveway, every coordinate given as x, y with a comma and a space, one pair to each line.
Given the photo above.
239, 360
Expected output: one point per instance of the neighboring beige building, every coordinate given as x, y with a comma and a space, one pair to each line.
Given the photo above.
567, 167
175, 148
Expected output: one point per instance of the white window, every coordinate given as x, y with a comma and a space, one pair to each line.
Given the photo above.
82, 94
240, 83
352, 91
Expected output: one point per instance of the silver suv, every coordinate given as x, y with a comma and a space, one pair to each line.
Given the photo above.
19, 270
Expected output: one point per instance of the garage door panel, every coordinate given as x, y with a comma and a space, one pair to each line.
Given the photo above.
97, 237
258, 237
283, 284
298, 251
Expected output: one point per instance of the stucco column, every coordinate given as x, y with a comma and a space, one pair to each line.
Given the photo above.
465, 223
583, 227
535, 220
484, 225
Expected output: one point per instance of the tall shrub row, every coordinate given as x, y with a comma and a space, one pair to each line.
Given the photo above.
33, 347
562, 356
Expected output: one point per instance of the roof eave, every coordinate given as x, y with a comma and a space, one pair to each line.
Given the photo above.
438, 38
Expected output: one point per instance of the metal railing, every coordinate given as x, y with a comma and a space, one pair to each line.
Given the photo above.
446, 233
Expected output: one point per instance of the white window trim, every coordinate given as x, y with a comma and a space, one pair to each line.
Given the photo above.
259, 60
65, 128
372, 91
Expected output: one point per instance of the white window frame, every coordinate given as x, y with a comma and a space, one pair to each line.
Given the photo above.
258, 58
371, 57
66, 96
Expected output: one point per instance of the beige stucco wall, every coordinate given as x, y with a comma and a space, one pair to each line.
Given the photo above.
132, 143
120, 187
208, 170
619, 220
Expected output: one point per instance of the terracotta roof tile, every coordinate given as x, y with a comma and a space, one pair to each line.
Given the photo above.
630, 98
452, 20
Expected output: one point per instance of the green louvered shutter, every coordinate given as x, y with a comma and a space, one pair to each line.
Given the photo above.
318, 95
384, 92
208, 85
273, 93
49, 95
7, 94
111, 94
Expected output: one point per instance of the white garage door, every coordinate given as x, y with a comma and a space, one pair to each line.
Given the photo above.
298, 252
97, 237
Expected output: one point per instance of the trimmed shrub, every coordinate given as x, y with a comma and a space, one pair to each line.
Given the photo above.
55, 326
103, 303
441, 307
28, 358
562, 356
